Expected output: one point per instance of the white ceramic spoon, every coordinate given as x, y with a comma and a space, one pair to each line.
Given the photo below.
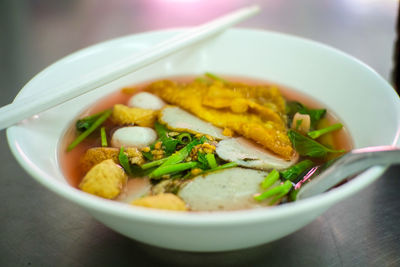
326, 176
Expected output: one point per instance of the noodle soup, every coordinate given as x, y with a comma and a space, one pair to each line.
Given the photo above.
200, 144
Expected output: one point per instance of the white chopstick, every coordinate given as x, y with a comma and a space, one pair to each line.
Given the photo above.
28, 106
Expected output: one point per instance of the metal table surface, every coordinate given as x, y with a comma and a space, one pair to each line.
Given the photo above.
39, 228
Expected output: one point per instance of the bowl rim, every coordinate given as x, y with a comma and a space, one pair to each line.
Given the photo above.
225, 218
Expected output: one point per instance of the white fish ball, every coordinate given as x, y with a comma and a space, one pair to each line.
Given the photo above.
146, 100
133, 136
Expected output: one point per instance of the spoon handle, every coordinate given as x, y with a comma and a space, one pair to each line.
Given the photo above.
350, 164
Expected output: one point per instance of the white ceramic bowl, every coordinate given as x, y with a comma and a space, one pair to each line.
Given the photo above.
365, 102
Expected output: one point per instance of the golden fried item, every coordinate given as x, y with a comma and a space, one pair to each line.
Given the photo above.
165, 201
255, 112
96, 155
124, 115
105, 179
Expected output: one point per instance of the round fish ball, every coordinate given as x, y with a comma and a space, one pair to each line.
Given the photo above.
133, 136
146, 101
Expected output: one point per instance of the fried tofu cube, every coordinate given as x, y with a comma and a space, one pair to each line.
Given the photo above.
96, 155
124, 115
165, 201
105, 179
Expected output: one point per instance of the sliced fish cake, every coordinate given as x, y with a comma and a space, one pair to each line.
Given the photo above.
180, 120
247, 154
229, 189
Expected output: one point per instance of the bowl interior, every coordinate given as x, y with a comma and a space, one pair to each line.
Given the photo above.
366, 104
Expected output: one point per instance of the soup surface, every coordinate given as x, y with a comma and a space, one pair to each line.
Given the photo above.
200, 144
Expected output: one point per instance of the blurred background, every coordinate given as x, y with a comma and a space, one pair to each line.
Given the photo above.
35, 33
40, 229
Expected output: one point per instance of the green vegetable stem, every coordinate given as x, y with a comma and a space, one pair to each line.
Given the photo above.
317, 133
224, 166
92, 127
86, 122
124, 161
103, 137
180, 155
215, 77
177, 157
293, 172
153, 164
277, 192
271, 178
211, 161
172, 168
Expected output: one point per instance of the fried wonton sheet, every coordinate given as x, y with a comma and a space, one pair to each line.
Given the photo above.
253, 111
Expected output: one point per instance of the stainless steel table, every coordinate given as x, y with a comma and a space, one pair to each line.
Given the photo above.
38, 228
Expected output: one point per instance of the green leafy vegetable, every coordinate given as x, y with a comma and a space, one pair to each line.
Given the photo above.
203, 163
293, 107
224, 166
172, 168
169, 143
92, 127
178, 156
148, 155
315, 114
293, 172
124, 161
206, 161
307, 147
160, 129
103, 137
278, 191
202, 140
85, 123
271, 178
153, 164
331, 128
